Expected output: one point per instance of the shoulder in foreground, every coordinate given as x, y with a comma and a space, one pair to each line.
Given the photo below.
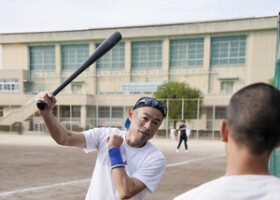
195, 193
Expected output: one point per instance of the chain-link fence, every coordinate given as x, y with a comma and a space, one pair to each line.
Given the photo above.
203, 120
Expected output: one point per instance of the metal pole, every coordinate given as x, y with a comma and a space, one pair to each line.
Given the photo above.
167, 127
124, 112
110, 113
10, 110
71, 116
182, 109
96, 113
58, 113
213, 119
85, 116
197, 120
34, 126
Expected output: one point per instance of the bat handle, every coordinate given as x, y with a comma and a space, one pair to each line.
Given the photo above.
41, 105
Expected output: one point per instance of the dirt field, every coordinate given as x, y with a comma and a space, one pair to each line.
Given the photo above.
33, 167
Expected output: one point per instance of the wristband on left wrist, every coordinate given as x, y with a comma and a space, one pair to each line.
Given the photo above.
116, 158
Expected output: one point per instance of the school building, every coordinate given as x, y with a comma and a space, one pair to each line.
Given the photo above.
218, 57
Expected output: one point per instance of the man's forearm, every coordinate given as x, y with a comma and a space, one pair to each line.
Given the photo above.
61, 135
126, 186
56, 130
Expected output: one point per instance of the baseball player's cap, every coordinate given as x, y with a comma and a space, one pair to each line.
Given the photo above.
148, 101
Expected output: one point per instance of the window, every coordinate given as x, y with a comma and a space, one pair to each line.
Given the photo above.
117, 112
226, 87
140, 87
186, 53
112, 59
220, 113
9, 85
1, 111
76, 111
146, 54
104, 112
91, 111
76, 88
42, 57
228, 50
66, 110
73, 56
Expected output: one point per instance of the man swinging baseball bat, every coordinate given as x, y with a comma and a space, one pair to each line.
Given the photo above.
127, 165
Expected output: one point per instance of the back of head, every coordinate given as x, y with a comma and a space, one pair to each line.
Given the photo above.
253, 115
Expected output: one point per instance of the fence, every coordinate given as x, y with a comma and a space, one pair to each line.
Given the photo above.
203, 120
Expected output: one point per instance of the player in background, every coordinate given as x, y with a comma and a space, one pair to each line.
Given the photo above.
251, 131
127, 164
182, 136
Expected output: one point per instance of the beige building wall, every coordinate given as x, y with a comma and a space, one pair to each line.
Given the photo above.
14, 56
259, 64
264, 55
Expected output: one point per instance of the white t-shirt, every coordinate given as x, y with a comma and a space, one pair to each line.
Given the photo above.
240, 187
188, 131
146, 164
172, 133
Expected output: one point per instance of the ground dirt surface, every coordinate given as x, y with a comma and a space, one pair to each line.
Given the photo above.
34, 167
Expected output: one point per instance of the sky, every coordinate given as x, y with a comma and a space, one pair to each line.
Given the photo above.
56, 15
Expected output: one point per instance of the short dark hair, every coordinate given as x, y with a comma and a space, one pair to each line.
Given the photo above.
151, 102
253, 115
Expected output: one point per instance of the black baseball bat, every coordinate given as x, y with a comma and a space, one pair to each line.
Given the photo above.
103, 48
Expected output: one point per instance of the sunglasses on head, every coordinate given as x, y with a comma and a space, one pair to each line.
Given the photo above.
148, 101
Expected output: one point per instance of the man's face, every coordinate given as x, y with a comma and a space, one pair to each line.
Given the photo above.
145, 121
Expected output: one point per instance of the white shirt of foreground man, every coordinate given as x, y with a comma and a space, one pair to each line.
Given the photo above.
145, 164
127, 165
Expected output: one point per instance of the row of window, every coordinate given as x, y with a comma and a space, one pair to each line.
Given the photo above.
183, 53
103, 111
140, 87
118, 112
7, 85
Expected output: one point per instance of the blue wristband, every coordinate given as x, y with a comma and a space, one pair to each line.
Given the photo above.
116, 158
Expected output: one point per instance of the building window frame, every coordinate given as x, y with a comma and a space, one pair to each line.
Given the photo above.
228, 50
9, 85
140, 87
76, 87
186, 52
113, 59
146, 54
226, 86
73, 55
42, 58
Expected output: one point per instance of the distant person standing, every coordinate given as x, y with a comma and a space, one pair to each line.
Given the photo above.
172, 134
189, 131
182, 136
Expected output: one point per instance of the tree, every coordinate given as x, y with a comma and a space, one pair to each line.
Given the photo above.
178, 91
271, 82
